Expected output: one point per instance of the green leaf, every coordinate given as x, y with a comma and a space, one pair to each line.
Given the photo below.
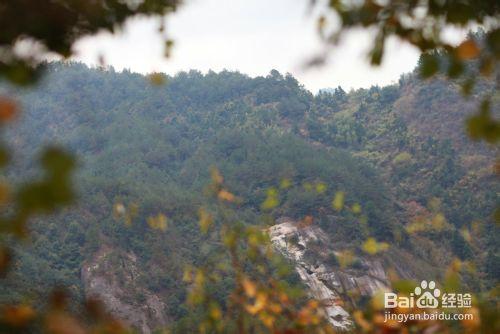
483, 126
429, 65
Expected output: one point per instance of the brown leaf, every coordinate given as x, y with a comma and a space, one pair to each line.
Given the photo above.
5, 258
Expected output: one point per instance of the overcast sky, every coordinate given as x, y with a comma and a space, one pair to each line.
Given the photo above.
251, 36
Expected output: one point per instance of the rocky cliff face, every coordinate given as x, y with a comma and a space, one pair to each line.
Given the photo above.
112, 277
309, 248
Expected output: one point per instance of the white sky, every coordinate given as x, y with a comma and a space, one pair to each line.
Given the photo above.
251, 36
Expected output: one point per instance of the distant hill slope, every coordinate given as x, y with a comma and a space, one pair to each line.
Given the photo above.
394, 150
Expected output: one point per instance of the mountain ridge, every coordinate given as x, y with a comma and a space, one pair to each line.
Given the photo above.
389, 149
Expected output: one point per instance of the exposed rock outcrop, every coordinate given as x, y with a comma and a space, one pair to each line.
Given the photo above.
327, 283
112, 277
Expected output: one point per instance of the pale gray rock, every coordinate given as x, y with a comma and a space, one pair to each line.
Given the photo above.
111, 276
328, 284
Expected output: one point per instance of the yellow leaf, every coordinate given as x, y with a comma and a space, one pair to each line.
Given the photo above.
158, 222
438, 222
199, 278
434, 204
157, 78
361, 321
377, 300
229, 239
188, 275
271, 199
466, 234
346, 258
215, 312
225, 196
260, 303
119, 210
320, 187
382, 246
356, 208
205, 220
285, 183
253, 240
133, 209
216, 176
338, 201
416, 226
249, 287
371, 246
455, 265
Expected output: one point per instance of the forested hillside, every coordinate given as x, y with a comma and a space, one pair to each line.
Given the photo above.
399, 154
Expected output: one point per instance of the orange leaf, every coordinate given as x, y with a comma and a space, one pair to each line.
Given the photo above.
18, 316
59, 323
474, 322
8, 109
468, 50
249, 287
308, 220
267, 319
275, 308
260, 303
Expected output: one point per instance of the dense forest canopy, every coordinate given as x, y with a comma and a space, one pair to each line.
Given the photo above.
397, 153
